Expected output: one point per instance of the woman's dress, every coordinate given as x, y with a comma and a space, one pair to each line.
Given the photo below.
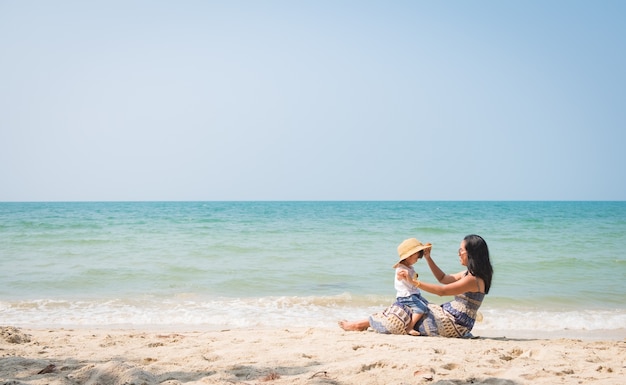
451, 319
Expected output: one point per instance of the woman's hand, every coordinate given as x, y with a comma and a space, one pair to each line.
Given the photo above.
427, 251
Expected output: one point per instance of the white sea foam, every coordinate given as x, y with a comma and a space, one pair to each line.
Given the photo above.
504, 319
272, 312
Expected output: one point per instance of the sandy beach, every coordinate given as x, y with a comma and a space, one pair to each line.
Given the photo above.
298, 356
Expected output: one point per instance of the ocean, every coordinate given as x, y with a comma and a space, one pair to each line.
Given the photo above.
558, 266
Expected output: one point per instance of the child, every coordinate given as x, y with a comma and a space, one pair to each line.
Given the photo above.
409, 251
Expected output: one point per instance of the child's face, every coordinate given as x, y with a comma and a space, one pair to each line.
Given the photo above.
413, 259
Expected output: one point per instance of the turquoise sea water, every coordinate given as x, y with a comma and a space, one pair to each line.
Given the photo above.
558, 265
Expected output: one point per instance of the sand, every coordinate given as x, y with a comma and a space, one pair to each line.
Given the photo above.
298, 356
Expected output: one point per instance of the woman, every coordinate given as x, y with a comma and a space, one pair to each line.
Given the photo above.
455, 318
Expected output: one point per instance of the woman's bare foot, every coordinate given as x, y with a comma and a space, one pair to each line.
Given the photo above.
353, 326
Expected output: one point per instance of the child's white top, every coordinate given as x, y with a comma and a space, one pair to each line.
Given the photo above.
404, 288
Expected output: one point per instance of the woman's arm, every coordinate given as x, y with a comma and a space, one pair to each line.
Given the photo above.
437, 272
465, 283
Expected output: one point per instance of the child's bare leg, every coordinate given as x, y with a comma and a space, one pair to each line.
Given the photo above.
355, 326
411, 325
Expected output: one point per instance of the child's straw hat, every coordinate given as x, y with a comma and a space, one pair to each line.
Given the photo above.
409, 247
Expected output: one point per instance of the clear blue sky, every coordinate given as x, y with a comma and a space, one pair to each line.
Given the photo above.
312, 100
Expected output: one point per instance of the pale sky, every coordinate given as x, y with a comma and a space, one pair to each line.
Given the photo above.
312, 100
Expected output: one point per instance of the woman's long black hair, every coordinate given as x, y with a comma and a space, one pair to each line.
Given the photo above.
478, 262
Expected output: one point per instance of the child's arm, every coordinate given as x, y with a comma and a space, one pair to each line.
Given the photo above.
403, 275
